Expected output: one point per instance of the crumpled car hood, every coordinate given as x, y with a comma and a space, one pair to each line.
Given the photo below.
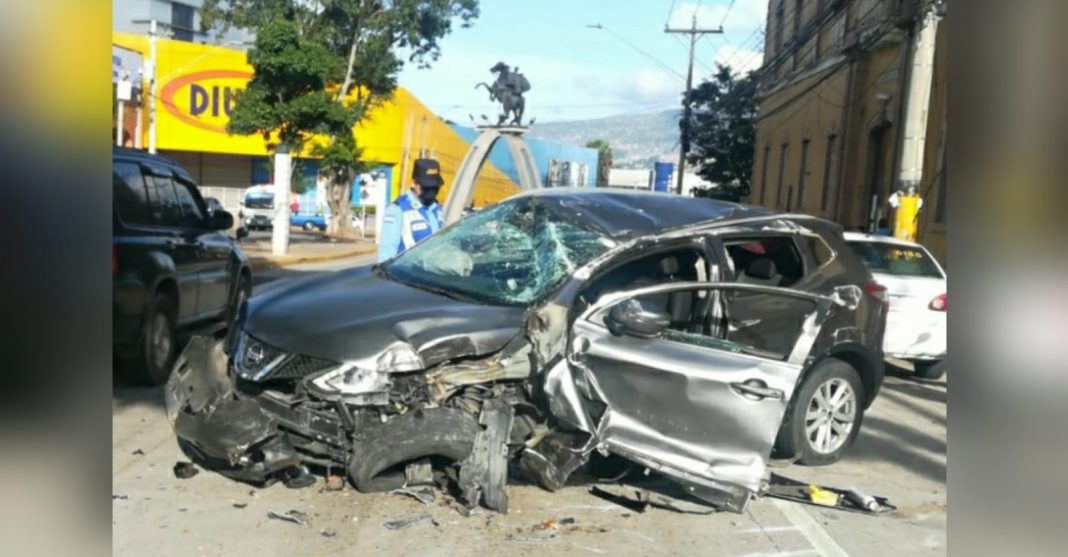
356, 314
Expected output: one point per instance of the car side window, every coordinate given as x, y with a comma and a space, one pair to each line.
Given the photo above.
163, 200
192, 214
819, 250
766, 260
131, 200
760, 324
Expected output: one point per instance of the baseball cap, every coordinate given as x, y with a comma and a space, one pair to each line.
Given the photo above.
427, 173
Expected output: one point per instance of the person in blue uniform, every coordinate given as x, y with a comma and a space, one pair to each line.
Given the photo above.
416, 214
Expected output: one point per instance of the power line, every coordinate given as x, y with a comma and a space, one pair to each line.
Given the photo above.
727, 13
659, 62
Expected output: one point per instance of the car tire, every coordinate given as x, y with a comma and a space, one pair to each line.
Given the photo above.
308, 226
157, 343
445, 432
929, 370
800, 437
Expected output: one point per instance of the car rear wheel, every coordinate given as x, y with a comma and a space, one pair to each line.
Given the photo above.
825, 416
308, 226
930, 370
157, 348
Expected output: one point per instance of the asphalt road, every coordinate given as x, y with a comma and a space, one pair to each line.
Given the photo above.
900, 454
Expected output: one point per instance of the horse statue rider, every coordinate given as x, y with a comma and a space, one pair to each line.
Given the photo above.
508, 90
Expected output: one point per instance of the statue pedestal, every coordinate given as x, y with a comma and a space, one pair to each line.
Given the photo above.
463, 188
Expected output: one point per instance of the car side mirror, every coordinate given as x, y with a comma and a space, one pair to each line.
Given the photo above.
847, 296
220, 220
631, 318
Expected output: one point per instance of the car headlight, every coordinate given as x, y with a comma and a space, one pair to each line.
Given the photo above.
254, 359
356, 385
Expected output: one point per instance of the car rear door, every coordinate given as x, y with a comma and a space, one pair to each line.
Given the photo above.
703, 407
173, 237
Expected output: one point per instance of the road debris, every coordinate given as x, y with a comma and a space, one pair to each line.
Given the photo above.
296, 517
406, 523
138, 452
531, 539
298, 477
333, 483
240, 505
123, 497
424, 495
327, 533
185, 470
851, 500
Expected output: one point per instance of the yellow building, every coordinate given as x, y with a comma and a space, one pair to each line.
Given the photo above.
194, 95
831, 110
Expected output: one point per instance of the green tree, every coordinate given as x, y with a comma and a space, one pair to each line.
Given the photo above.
364, 40
723, 133
604, 160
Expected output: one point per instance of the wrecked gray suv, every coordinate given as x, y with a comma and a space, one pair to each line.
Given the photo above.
689, 336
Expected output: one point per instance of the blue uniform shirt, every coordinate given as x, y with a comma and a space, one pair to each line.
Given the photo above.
406, 223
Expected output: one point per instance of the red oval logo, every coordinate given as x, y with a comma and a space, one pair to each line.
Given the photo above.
208, 104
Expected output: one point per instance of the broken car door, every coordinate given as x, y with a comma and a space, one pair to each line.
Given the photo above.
689, 401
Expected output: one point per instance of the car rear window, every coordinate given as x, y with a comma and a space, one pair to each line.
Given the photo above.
893, 259
768, 261
129, 192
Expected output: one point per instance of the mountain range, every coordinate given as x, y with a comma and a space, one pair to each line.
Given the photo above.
637, 140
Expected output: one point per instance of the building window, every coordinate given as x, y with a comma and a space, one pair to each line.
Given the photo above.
799, 6
801, 175
830, 168
782, 174
780, 23
764, 175
182, 21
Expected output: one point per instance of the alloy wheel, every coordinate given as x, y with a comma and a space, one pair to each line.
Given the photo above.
160, 339
830, 415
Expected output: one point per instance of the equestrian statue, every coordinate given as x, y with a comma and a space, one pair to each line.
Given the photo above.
508, 90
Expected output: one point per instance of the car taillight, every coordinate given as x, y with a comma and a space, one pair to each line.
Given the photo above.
939, 303
114, 261
877, 291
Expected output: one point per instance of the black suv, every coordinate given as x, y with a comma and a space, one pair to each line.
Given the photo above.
172, 263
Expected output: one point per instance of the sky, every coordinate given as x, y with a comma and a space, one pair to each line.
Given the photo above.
580, 73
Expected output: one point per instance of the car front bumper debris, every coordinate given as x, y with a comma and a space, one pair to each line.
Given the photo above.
248, 438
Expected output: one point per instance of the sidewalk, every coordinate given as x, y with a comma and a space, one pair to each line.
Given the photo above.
302, 250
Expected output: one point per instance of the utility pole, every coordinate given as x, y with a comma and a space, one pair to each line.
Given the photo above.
152, 87
684, 140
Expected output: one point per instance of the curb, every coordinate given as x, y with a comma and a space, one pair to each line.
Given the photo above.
269, 262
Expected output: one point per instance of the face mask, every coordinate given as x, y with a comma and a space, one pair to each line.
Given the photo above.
428, 197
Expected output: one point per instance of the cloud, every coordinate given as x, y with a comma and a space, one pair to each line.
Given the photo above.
648, 86
740, 60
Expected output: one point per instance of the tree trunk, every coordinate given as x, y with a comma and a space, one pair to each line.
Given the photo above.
339, 198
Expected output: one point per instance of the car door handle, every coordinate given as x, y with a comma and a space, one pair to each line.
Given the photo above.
758, 389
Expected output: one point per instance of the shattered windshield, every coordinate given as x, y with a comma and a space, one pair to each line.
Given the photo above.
513, 253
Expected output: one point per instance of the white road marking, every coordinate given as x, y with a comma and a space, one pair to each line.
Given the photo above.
768, 529
593, 549
799, 553
823, 543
